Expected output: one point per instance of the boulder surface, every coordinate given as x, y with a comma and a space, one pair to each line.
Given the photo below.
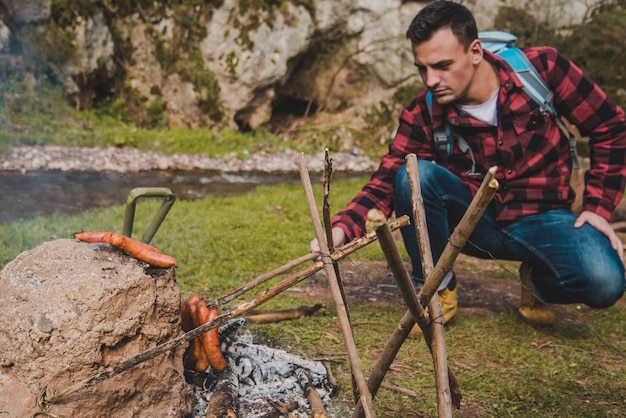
70, 310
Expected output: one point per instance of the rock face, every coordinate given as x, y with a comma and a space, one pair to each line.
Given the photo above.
72, 309
334, 55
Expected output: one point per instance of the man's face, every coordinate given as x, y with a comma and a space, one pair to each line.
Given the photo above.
446, 68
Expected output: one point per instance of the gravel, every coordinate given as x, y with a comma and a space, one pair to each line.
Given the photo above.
126, 160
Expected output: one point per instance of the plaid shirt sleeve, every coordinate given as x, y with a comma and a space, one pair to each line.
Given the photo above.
585, 105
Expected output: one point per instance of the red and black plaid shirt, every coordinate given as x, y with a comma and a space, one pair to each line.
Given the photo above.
531, 153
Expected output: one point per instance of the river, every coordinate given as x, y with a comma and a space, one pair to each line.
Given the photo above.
41, 193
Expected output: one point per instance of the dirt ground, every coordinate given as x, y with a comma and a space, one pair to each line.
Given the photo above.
372, 282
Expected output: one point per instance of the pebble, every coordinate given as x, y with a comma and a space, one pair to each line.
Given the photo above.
129, 160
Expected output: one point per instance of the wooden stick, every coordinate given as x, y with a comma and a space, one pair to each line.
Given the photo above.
328, 229
459, 236
357, 372
44, 401
332, 381
279, 411
389, 353
315, 401
405, 284
264, 317
437, 330
394, 260
223, 402
404, 391
328, 171
619, 226
265, 277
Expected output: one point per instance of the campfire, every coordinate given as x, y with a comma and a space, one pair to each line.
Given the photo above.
260, 381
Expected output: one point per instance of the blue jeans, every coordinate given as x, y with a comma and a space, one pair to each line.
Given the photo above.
569, 265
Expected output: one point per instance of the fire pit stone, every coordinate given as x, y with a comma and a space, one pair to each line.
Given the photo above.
70, 310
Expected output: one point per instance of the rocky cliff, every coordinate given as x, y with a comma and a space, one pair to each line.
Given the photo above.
233, 62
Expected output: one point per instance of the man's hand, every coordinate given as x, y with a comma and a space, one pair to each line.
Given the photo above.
339, 238
603, 226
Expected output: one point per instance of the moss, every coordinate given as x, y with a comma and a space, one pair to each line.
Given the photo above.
254, 13
275, 5
232, 60
156, 113
406, 93
205, 83
48, 44
66, 12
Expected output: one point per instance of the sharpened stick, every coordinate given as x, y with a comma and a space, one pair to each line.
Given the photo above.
459, 236
346, 329
44, 401
435, 330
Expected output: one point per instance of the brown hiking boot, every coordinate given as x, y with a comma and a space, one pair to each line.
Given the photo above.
534, 311
449, 306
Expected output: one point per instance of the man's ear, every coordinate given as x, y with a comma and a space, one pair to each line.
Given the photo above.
476, 49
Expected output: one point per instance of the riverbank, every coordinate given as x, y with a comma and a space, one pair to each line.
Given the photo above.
132, 160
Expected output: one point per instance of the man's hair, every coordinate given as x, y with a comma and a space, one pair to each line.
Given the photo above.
441, 14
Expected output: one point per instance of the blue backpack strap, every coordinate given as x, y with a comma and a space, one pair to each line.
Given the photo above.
442, 135
503, 44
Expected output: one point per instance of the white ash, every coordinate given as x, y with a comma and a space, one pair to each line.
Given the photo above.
265, 375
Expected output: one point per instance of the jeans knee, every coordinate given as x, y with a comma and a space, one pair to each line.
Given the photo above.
606, 288
606, 293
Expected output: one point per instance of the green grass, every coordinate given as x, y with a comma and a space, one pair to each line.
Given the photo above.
105, 132
504, 367
219, 242
53, 122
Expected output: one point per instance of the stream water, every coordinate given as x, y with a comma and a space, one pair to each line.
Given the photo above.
40, 193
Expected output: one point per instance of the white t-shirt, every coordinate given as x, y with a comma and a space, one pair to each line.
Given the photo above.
487, 112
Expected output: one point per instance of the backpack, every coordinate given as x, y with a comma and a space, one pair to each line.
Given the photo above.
503, 44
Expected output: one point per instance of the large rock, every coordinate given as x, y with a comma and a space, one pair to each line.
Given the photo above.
246, 70
72, 309
350, 53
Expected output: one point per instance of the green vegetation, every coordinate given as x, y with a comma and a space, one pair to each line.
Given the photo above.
504, 367
37, 114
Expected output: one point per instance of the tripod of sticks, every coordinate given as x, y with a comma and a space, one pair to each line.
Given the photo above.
422, 307
448, 391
